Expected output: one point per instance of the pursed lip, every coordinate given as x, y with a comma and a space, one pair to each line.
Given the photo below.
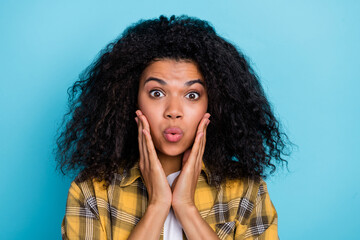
173, 130
173, 134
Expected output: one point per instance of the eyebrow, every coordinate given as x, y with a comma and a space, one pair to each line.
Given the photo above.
162, 82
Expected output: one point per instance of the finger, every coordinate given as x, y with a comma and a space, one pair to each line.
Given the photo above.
146, 126
197, 146
205, 131
203, 138
145, 122
204, 127
144, 147
150, 146
141, 154
197, 162
195, 149
203, 122
145, 158
202, 146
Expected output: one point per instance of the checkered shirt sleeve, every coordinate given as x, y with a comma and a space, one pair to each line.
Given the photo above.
262, 221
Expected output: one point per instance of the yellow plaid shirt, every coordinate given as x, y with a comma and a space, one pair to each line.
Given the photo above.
239, 209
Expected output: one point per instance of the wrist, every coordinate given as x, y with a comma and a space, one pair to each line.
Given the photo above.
194, 226
159, 207
150, 224
184, 211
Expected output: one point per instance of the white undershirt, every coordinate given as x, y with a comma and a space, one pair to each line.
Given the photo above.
172, 227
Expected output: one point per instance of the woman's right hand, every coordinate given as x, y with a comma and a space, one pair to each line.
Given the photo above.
159, 192
157, 186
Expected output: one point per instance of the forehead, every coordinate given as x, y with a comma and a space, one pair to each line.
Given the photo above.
172, 70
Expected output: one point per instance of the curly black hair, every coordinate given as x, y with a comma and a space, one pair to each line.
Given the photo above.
98, 135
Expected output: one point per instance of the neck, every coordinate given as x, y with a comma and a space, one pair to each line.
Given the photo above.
170, 164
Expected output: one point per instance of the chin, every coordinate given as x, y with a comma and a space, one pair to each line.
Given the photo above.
172, 151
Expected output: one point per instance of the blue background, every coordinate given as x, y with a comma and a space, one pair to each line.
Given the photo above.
305, 52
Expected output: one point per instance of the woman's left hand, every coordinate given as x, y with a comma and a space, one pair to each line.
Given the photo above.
184, 185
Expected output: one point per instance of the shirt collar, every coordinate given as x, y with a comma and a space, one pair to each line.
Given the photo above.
134, 173
130, 176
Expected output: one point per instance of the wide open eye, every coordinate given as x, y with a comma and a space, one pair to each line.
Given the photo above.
192, 95
156, 93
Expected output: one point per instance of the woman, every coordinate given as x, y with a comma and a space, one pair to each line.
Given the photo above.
172, 172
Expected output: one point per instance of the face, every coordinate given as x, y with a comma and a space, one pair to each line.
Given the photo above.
173, 97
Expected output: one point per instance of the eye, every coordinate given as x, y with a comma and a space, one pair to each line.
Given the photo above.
193, 95
156, 93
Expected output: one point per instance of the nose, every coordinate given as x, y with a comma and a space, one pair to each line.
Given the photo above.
173, 109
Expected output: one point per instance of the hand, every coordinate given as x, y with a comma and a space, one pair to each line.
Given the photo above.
185, 184
157, 186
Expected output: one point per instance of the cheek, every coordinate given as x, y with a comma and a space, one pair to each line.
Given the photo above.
151, 113
195, 119
146, 107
